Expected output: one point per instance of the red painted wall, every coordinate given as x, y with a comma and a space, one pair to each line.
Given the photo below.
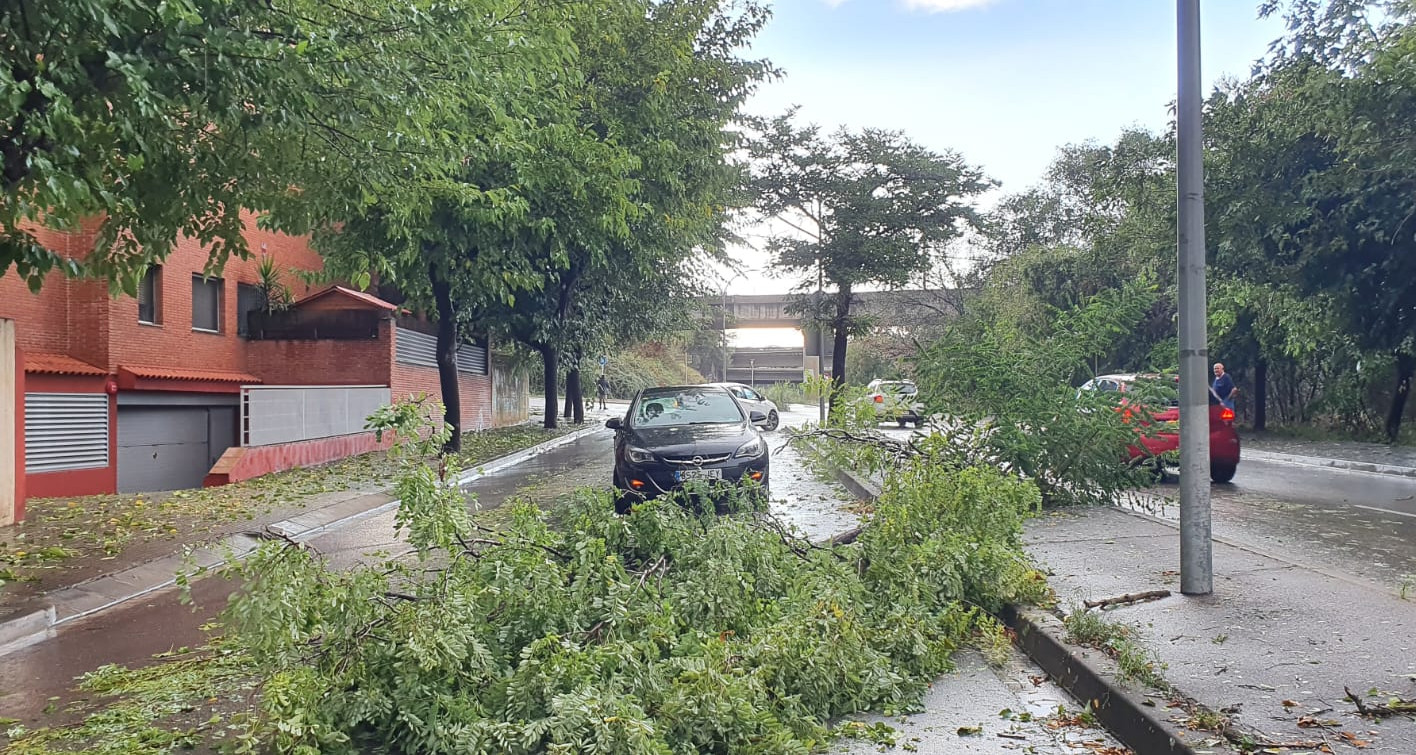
80, 481
475, 392
20, 486
239, 464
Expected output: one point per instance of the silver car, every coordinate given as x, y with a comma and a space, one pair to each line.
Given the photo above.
753, 401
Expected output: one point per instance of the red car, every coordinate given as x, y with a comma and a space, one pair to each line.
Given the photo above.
1162, 428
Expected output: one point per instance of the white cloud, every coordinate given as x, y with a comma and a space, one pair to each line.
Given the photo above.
945, 6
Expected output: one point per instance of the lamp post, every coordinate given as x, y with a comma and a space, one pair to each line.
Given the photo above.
752, 372
1196, 550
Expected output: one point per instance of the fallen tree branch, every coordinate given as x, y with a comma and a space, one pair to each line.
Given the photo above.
847, 537
1397, 707
1133, 597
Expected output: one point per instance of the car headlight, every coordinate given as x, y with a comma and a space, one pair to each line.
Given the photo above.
751, 449
639, 455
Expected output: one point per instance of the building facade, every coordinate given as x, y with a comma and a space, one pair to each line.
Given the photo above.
192, 382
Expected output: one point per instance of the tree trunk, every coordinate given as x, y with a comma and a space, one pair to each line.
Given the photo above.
447, 358
567, 410
1405, 368
575, 401
1260, 394
840, 322
550, 362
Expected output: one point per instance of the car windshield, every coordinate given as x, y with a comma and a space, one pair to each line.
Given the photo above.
665, 407
899, 389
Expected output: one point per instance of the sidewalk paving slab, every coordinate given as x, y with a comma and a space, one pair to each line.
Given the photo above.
1274, 646
34, 620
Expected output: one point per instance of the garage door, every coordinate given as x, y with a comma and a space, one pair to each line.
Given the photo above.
171, 447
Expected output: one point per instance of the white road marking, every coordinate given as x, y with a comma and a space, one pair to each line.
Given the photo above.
1385, 511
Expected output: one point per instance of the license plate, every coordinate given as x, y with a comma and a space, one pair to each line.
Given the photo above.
685, 475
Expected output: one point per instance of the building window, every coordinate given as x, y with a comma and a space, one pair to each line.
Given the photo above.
206, 304
150, 296
249, 298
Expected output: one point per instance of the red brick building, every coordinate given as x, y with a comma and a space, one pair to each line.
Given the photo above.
175, 387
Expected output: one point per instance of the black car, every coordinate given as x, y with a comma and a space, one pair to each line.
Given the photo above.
678, 434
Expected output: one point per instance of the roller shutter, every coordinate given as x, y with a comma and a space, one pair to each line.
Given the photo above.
65, 431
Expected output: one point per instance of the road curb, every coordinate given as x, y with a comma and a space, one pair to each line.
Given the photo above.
107, 591
1123, 712
1322, 461
1040, 636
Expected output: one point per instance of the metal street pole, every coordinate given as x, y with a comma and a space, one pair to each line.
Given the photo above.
820, 342
752, 372
1196, 553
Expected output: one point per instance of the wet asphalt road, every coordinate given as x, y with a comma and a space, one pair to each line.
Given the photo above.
1359, 523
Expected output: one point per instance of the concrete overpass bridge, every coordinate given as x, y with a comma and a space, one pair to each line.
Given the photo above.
764, 366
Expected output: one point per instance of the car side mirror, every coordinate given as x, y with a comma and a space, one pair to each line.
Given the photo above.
614, 423
756, 417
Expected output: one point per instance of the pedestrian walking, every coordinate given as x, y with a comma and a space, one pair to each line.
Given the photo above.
602, 389
1223, 387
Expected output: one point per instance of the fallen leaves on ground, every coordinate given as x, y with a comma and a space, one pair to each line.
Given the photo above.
59, 532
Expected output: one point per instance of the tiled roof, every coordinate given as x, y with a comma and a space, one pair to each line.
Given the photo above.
59, 364
206, 376
359, 296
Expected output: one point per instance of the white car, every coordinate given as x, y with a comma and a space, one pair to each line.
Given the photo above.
753, 401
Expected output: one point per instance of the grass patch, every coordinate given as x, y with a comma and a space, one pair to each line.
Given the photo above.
184, 700
1135, 662
59, 533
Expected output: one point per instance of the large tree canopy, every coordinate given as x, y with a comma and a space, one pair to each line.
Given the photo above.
868, 207
160, 119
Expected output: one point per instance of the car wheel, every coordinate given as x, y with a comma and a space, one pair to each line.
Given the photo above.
772, 421
1221, 472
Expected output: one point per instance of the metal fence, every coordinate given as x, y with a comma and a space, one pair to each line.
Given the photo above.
273, 414
302, 325
421, 349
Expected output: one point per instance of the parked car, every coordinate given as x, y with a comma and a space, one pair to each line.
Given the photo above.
677, 434
754, 402
1159, 428
896, 400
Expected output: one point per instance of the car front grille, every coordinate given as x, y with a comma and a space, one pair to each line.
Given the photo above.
693, 461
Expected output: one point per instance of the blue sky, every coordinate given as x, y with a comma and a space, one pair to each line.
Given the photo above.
1002, 82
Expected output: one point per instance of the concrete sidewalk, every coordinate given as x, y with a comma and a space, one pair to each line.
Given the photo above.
1349, 455
35, 619
1273, 648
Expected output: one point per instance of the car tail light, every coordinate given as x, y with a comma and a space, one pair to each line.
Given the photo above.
1226, 414
879, 399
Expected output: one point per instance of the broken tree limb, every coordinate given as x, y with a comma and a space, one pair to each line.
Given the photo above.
1397, 707
1134, 597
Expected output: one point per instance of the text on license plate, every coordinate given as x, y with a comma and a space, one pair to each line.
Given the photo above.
699, 474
